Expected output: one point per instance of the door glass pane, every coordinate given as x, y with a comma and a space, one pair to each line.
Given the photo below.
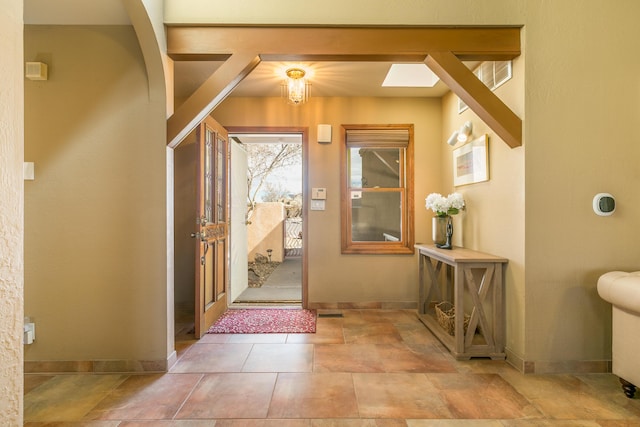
376, 216
221, 173
375, 167
208, 176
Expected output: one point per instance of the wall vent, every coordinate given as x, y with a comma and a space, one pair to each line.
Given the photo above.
493, 74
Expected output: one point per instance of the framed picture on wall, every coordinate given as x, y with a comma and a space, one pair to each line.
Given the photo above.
471, 162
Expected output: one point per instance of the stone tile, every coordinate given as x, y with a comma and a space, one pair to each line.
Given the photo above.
74, 424
566, 397
416, 333
454, 423
213, 358
279, 358
358, 423
230, 395
550, 423
258, 338
32, 381
214, 339
170, 423
324, 395
390, 373
328, 331
68, 397
146, 397
128, 366
263, 423
392, 395
619, 423
481, 396
379, 358
375, 333
389, 316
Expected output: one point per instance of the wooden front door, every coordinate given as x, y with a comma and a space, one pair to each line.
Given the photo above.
212, 246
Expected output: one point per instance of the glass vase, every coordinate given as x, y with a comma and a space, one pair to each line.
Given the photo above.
439, 229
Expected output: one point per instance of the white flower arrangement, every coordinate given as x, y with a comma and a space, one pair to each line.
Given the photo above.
444, 206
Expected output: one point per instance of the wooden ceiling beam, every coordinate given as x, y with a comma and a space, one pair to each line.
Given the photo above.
443, 47
477, 96
207, 97
467, 43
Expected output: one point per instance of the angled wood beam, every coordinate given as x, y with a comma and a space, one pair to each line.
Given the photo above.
477, 96
346, 43
211, 93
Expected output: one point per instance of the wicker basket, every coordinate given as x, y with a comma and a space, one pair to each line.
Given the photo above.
446, 316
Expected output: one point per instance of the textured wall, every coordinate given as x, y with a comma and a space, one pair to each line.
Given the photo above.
11, 212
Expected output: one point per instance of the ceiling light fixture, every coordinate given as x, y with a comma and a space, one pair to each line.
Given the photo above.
296, 88
461, 135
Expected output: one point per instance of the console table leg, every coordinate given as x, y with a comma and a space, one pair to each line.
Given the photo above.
628, 388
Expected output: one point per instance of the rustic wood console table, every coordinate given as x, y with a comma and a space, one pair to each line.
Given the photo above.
471, 279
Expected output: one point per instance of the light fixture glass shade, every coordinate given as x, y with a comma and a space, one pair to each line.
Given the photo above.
453, 139
295, 89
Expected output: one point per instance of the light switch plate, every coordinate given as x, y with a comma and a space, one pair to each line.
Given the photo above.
28, 171
317, 205
319, 193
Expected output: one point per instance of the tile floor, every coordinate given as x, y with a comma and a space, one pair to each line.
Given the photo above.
370, 368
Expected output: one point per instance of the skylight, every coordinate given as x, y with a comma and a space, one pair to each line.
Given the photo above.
410, 75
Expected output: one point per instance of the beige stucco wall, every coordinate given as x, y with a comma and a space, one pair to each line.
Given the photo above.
95, 220
11, 212
579, 106
333, 277
266, 231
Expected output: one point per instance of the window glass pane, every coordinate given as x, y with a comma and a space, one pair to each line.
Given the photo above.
376, 216
372, 167
208, 176
221, 185
377, 175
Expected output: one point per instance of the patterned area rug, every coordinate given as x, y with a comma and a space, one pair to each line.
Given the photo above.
265, 321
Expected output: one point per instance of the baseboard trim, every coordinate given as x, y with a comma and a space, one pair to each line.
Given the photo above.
572, 367
558, 367
406, 305
96, 366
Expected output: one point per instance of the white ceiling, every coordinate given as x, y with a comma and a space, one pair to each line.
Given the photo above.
326, 78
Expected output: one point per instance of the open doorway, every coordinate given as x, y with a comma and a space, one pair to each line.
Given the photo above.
267, 218
185, 199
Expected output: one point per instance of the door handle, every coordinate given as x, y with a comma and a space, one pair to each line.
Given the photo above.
199, 235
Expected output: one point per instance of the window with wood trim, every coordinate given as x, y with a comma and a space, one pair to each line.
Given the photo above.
377, 189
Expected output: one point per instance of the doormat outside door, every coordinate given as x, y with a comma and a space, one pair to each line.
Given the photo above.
265, 321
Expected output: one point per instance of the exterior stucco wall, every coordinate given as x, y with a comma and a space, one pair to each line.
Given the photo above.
266, 231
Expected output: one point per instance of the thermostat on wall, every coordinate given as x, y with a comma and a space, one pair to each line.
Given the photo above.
604, 204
